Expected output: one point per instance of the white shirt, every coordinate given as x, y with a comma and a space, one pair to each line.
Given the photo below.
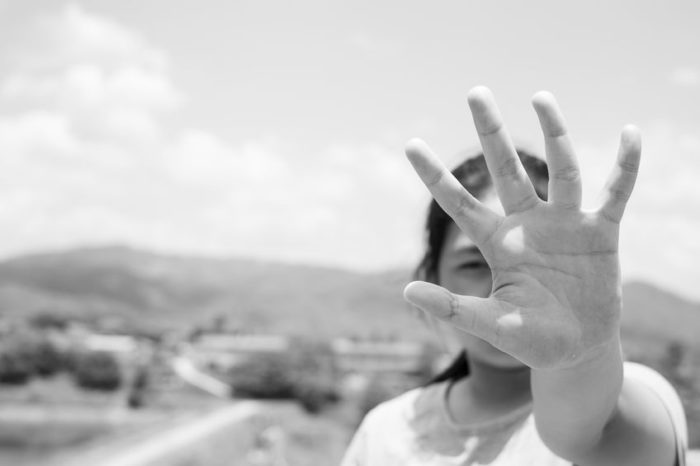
416, 429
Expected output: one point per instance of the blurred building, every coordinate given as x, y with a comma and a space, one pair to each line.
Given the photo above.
376, 356
222, 351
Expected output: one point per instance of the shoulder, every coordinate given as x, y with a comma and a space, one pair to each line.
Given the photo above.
389, 431
406, 408
655, 382
651, 379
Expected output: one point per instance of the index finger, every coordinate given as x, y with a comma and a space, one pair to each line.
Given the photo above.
470, 215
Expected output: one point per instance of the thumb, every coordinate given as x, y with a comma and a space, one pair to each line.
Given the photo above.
478, 316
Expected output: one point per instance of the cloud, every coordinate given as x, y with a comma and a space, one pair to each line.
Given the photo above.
105, 78
77, 36
685, 76
87, 157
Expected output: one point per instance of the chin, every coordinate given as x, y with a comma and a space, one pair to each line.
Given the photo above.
478, 350
487, 354
504, 361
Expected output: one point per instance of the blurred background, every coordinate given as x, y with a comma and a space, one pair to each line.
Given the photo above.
207, 218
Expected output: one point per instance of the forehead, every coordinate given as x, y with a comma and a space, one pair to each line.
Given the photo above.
456, 240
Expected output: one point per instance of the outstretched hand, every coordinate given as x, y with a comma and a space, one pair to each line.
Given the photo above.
556, 296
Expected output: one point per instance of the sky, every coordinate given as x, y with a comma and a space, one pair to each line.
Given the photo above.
275, 130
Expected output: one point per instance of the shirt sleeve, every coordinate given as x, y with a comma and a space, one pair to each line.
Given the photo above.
665, 391
357, 452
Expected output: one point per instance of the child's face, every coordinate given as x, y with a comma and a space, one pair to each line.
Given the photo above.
463, 270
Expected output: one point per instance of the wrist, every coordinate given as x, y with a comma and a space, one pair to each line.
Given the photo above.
573, 405
601, 355
600, 369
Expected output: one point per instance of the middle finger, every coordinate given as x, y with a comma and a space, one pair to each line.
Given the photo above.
509, 177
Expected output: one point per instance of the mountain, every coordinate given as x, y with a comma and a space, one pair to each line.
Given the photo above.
149, 289
175, 291
651, 311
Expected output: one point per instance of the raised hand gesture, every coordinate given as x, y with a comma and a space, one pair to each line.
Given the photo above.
556, 297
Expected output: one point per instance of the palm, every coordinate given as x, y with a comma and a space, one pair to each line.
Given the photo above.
556, 283
555, 268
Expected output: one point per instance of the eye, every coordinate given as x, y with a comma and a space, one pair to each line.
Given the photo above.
473, 265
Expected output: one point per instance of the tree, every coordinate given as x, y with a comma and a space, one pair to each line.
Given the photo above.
305, 372
15, 365
137, 393
48, 359
97, 370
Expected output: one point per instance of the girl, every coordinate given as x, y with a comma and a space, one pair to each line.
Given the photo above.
525, 285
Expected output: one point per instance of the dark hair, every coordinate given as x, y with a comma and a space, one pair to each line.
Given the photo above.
475, 177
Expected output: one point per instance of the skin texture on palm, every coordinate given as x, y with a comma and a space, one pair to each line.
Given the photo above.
556, 295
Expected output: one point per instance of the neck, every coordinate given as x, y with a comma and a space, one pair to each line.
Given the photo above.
491, 385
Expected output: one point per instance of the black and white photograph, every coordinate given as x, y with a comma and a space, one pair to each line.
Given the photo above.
317, 233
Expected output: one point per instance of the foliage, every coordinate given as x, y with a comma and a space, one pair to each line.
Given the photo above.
139, 387
97, 370
266, 376
29, 353
49, 320
306, 372
48, 358
15, 365
315, 393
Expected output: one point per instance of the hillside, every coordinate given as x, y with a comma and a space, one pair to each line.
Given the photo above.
173, 291
166, 291
651, 309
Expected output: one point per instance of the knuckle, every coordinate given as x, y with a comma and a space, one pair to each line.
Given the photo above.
490, 128
523, 204
567, 174
508, 168
619, 195
610, 217
557, 130
628, 167
567, 204
465, 204
435, 178
453, 307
